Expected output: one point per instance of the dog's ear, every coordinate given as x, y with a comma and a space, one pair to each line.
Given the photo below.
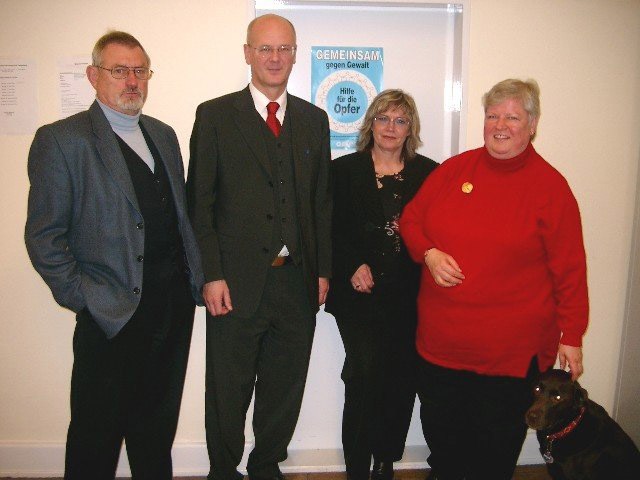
581, 395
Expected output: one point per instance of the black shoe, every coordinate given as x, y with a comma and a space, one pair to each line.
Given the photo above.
382, 470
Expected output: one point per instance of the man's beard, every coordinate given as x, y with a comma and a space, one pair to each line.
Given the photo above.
132, 105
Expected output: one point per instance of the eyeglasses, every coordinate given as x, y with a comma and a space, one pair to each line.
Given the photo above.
400, 122
265, 51
120, 73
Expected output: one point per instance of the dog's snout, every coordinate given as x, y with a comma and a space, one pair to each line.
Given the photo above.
532, 417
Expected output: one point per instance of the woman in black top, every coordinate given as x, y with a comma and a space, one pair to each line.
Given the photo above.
375, 284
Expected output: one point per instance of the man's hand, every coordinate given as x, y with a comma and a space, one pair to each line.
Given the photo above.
323, 288
217, 298
571, 356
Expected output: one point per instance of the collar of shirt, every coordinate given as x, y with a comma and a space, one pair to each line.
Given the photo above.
260, 101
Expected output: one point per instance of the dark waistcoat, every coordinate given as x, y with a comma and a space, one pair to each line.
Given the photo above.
286, 229
163, 251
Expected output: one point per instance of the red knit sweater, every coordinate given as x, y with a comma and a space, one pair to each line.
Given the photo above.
517, 237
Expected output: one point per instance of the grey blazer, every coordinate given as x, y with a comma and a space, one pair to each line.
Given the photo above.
230, 191
84, 228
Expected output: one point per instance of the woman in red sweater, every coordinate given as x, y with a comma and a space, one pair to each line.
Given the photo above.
503, 289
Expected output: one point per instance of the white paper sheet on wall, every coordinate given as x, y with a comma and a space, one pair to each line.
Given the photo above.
75, 92
18, 96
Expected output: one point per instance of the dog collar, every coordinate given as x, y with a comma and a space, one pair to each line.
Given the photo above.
561, 434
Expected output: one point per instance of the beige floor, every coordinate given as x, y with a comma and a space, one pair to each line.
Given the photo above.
538, 472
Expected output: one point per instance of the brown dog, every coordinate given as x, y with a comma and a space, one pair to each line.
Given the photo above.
578, 439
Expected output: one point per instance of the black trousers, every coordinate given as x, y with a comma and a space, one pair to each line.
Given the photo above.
473, 424
130, 387
379, 375
268, 353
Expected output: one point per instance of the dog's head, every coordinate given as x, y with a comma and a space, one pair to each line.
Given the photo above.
557, 401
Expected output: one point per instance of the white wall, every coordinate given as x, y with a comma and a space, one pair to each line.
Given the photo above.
585, 55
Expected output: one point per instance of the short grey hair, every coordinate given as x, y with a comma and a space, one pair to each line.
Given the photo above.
528, 92
117, 37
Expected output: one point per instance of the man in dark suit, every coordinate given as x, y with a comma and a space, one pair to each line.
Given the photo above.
107, 230
260, 202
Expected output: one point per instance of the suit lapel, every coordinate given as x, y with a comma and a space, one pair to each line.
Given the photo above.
300, 128
249, 124
110, 153
164, 149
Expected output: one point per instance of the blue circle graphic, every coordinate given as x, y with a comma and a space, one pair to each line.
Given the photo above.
347, 102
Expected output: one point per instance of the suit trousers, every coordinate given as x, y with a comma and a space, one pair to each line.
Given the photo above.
269, 353
130, 387
473, 424
379, 375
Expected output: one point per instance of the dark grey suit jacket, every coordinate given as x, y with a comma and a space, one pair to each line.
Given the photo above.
84, 228
230, 191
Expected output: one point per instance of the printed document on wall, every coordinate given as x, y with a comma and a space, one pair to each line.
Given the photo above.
18, 96
76, 92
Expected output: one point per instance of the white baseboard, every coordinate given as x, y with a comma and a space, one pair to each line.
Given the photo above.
190, 459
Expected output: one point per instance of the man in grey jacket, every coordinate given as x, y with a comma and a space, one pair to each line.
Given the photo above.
108, 232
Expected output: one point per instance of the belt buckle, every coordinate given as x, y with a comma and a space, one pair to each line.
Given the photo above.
280, 261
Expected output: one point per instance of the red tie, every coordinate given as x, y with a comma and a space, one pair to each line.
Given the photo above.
272, 120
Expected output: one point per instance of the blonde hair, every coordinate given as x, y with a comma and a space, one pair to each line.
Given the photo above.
385, 100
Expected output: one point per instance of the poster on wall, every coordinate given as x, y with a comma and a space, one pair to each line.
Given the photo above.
344, 81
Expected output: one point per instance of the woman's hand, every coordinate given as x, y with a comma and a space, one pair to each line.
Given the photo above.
362, 280
571, 357
444, 269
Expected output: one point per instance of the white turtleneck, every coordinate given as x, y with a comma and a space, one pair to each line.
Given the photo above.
127, 127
